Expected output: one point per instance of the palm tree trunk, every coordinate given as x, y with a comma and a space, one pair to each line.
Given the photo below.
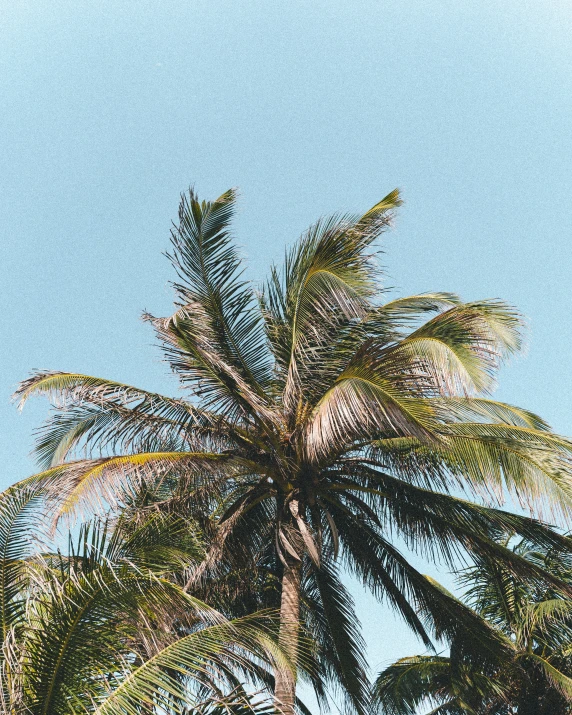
285, 679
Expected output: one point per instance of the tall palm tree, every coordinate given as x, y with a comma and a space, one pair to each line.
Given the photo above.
319, 420
103, 629
535, 675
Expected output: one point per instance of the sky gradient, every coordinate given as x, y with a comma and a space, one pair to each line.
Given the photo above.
109, 109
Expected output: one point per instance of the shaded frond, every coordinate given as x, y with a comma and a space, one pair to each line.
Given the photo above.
347, 641
410, 682
19, 523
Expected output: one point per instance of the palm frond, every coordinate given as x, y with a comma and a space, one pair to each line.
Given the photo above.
191, 349
420, 601
442, 526
532, 464
210, 277
347, 641
561, 681
473, 336
19, 522
94, 411
471, 409
361, 406
97, 483
202, 657
328, 277
410, 682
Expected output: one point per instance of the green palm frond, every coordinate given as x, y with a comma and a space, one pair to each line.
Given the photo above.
361, 405
104, 481
78, 625
471, 409
93, 411
559, 680
436, 681
209, 271
348, 657
203, 656
17, 507
478, 334
536, 620
159, 543
443, 526
329, 275
488, 459
91, 615
401, 311
66, 387
402, 687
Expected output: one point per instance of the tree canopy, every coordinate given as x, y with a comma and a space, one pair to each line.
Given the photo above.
319, 422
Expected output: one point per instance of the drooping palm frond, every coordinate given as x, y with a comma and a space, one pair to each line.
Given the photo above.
400, 313
432, 681
411, 682
474, 336
383, 388
443, 526
471, 409
534, 617
17, 506
345, 638
488, 459
389, 575
206, 655
362, 404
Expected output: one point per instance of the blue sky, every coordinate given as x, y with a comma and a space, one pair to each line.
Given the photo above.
110, 109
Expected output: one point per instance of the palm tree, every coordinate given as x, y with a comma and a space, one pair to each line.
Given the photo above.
534, 677
247, 581
323, 421
103, 629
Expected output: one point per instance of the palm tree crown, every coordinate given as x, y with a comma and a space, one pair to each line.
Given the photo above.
323, 422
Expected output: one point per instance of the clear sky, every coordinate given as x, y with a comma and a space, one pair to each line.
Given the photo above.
109, 109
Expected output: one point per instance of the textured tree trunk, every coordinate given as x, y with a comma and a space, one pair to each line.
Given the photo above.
285, 680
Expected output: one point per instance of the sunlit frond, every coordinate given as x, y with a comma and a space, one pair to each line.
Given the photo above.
472, 339
328, 279
360, 406
99, 483
532, 464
